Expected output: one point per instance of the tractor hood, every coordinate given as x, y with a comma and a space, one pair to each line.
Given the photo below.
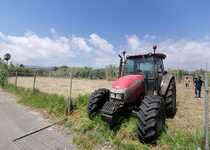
127, 81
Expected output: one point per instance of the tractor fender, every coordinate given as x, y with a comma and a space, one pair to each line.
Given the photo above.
166, 79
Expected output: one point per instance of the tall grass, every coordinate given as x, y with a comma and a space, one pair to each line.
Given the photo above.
96, 134
54, 104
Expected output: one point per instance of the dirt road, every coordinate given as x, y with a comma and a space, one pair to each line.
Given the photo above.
17, 120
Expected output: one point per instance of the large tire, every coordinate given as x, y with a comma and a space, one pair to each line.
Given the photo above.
170, 100
96, 101
151, 119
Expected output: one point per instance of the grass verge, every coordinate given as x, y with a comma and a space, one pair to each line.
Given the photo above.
52, 103
95, 134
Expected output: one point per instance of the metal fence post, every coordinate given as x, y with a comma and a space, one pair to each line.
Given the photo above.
206, 114
34, 83
16, 76
70, 105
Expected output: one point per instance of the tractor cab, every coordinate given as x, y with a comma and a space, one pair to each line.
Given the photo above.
150, 65
147, 64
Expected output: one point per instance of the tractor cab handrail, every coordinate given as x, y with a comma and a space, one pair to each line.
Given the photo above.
157, 55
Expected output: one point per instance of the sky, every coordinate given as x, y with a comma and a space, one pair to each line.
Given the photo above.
94, 32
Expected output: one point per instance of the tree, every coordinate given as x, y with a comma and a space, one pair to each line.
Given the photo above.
111, 72
3, 73
22, 66
7, 57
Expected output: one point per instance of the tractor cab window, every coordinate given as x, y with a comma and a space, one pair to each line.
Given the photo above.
130, 66
139, 66
160, 67
144, 67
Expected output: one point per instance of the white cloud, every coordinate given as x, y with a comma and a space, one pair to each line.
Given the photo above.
32, 49
133, 42
79, 43
101, 43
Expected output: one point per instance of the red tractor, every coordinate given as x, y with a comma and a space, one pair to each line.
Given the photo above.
143, 89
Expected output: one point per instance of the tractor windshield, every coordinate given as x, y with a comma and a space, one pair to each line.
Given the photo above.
139, 66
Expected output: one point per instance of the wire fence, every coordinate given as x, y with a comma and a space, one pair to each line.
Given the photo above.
53, 84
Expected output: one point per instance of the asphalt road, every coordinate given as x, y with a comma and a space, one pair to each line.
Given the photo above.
17, 120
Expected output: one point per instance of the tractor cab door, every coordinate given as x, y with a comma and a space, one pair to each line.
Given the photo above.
153, 70
151, 67
143, 66
160, 70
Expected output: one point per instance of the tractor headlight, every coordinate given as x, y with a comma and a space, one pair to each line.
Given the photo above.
112, 95
117, 95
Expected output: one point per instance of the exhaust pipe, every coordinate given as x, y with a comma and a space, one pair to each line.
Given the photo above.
120, 67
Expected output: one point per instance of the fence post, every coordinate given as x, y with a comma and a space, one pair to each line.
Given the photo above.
16, 76
34, 83
206, 114
70, 105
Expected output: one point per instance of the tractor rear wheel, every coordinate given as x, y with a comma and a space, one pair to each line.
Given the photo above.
97, 100
151, 119
170, 100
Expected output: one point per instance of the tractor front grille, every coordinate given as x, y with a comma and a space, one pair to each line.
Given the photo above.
110, 107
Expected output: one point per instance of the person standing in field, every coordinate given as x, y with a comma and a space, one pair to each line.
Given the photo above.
198, 86
187, 82
194, 80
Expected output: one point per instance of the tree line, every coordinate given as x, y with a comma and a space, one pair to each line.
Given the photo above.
109, 72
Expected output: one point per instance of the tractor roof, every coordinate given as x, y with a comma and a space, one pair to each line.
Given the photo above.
157, 55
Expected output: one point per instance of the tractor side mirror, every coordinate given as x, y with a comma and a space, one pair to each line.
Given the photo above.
120, 56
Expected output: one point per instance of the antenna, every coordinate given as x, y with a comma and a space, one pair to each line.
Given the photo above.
124, 52
154, 48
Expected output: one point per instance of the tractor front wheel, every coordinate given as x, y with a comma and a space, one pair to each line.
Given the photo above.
96, 101
151, 119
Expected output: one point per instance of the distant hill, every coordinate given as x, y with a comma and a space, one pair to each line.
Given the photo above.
38, 67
